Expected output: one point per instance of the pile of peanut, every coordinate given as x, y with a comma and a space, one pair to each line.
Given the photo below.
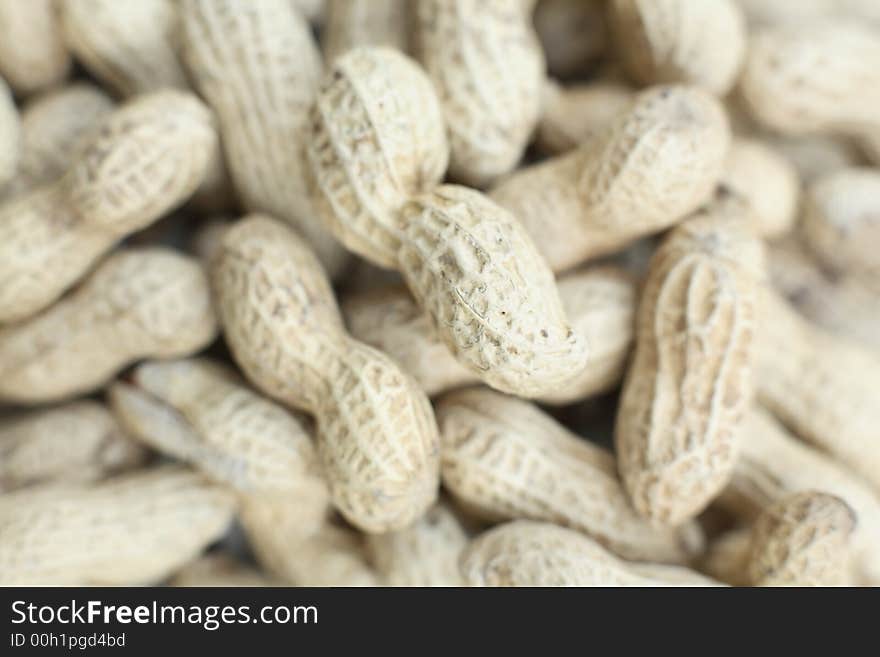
440, 292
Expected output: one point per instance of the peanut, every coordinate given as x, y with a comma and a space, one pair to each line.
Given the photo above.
425, 554
599, 302
773, 465
802, 540
690, 380
727, 557
258, 67
487, 66
219, 569
468, 263
10, 136
33, 54
825, 388
815, 156
525, 553
376, 433
654, 165
147, 158
353, 23
667, 41
128, 44
79, 441
137, 303
573, 35
133, 529
198, 411
506, 459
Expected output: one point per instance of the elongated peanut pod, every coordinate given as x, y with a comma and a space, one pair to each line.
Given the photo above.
825, 388
425, 554
56, 126
599, 302
485, 61
690, 380
654, 165
33, 54
79, 441
377, 436
258, 66
506, 459
353, 23
139, 303
375, 149
199, 411
128, 44
818, 76
147, 158
575, 114
841, 222
525, 553
802, 540
11, 138
773, 464
134, 529
680, 41
219, 569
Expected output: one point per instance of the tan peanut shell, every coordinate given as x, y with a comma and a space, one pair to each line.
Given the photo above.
33, 53
526, 553
490, 296
774, 464
200, 412
767, 181
133, 529
487, 66
700, 42
127, 44
79, 441
55, 126
146, 159
841, 221
820, 76
802, 540
138, 303
576, 114
425, 554
690, 380
651, 167
815, 156
11, 137
258, 66
376, 433
825, 388
375, 137
599, 302
673, 575
506, 459
573, 34
727, 557
353, 23
219, 569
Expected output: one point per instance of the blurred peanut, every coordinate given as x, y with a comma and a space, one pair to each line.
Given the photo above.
33, 53
651, 167
257, 65
79, 441
146, 159
690, 380
727, 557
815, 156
506, 459
375, 429
573, 35
219, 569
699, 42
353, 23
138, 303
133, 529
11, 138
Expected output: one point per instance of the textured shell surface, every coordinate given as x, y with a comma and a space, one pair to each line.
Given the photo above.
137, 528
490, 295
148, 302
507, 459
487, 66
690, 381
376, 137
